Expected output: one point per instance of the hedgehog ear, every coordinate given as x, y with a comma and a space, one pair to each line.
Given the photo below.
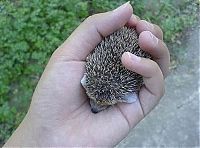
83, 81
130, 97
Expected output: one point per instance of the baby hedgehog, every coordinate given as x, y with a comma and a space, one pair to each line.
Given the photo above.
106, 80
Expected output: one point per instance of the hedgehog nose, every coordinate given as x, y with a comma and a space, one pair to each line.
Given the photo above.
94, 110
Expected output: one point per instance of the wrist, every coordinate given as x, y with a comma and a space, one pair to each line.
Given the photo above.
24, 135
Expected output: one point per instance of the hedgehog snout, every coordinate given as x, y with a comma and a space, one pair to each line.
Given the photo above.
95, 108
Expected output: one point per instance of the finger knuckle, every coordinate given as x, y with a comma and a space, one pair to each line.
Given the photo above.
91, 18
154, 66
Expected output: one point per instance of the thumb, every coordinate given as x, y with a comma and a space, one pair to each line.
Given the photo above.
85, 38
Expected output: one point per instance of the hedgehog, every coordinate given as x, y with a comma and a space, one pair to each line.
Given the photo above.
106, 80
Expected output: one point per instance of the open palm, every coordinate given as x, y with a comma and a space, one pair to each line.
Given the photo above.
60, 114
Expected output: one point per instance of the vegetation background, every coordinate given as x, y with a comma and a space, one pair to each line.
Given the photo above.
31, 30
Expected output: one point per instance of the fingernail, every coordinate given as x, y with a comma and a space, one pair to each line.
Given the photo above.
133, 57
122, 6
148, 25
135, 17
138, 18
153, 38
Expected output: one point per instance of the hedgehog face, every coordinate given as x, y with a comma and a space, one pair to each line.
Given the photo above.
99, 100
95, 107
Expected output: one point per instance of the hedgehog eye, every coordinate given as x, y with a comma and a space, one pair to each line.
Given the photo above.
98, 102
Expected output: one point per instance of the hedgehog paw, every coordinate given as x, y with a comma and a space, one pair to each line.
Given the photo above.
131, 97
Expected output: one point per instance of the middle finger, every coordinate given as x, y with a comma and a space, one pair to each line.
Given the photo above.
157, 48
143, 25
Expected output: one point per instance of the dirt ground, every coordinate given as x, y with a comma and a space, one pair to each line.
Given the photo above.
175, 121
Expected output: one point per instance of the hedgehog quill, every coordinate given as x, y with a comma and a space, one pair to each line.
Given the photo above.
106, 80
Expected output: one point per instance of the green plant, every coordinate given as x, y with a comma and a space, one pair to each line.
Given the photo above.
172, 16
32, 30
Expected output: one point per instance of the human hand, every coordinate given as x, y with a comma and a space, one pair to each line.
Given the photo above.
60, 115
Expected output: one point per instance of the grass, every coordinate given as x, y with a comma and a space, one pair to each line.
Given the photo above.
32, 30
